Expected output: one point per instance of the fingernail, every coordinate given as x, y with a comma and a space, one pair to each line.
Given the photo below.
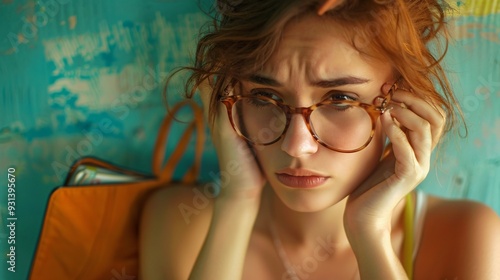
386, 87
387, 113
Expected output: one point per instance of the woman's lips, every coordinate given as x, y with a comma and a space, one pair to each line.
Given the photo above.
301, 181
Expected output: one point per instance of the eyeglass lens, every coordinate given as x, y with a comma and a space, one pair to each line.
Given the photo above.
339, 126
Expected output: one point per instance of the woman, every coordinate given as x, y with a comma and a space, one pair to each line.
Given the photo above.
324, 126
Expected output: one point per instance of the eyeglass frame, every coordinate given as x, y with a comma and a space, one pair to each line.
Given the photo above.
373, 111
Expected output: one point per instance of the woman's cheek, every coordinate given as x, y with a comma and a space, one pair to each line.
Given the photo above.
348, 168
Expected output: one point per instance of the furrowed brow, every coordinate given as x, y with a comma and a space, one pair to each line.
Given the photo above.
337, 82
349, 80
263, 80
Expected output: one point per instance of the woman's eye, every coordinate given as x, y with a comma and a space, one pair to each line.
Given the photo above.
342, 97
260, 93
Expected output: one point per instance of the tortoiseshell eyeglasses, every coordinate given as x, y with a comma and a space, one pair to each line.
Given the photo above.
345, 126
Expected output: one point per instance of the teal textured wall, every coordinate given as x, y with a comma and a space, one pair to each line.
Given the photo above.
84, 78
469, 167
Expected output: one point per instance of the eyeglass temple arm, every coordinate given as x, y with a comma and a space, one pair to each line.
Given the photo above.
386, 101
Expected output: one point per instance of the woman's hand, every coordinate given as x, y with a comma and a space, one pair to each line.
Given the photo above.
241, 177
417, 131
414, 127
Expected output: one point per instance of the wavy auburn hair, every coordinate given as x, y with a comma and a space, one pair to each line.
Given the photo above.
244, 34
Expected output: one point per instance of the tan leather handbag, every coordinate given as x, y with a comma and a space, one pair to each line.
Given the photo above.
91, 231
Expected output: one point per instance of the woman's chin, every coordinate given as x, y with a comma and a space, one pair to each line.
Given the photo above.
309, 200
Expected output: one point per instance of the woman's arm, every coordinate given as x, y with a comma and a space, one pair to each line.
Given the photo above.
237, 205
174, 223
370, 239
414, 129
461, 241
218, 250
479, 244
223, 253
187, 235
375, 255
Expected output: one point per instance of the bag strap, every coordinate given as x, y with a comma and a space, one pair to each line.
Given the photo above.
196, 125
164, 174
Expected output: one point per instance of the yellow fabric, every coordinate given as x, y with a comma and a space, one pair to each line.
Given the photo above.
408, 243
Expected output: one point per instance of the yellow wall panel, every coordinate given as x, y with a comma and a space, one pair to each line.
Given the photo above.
475, 7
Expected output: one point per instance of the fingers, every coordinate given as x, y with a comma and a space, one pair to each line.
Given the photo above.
418, 132
205, 94
233, 153
406, 161
429, 112
221, 130
414, 127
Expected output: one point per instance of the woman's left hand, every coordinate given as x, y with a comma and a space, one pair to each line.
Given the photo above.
418, 129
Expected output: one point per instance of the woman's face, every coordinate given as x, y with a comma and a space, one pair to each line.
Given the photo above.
310, 56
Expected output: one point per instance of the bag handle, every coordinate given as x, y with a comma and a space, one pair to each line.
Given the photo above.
165, 173
196, 125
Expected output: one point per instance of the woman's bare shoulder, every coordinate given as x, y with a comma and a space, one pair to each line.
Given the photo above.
461, 238
471, 216
174, 223
186, 203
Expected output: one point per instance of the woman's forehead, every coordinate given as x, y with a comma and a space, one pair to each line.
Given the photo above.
315, 49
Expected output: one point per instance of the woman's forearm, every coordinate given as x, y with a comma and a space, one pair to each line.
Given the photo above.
376, 257
223, 253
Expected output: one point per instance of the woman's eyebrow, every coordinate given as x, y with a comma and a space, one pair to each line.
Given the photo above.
263, 80
342, 81
337, 82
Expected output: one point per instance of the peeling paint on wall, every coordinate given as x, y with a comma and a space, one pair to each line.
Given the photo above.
84, 78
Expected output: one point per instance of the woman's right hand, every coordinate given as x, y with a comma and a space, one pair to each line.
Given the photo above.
240, 174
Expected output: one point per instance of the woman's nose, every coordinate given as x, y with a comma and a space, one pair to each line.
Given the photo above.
298, 140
